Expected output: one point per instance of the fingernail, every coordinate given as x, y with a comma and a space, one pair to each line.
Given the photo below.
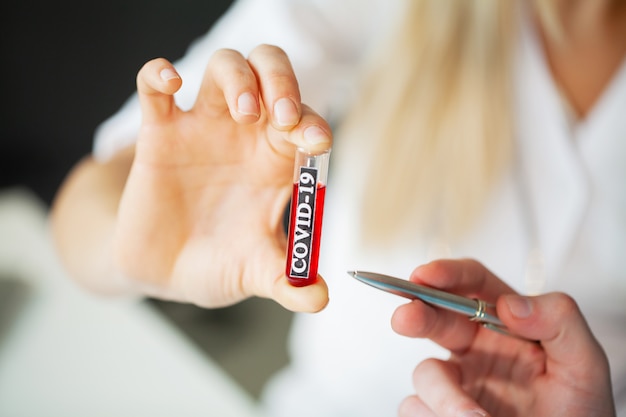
520, 307
314, 135
246, 104
285, 112
168, 74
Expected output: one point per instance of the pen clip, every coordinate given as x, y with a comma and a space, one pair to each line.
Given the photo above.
486, 314
487, 310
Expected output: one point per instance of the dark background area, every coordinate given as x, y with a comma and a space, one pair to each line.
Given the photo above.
68, 65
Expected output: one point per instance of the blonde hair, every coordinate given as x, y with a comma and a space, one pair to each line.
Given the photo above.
435, 108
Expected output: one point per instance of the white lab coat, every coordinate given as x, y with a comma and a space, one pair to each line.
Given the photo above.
565, 198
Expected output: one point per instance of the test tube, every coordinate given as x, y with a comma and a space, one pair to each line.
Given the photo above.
305, 220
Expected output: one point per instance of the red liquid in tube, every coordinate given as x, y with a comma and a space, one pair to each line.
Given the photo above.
303, 259
305, 222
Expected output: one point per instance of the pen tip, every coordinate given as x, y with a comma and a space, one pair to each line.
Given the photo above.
352, 273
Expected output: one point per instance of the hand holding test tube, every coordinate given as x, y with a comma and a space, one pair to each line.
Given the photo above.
198, 218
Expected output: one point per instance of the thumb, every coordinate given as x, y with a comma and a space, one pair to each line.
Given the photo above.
273, 284
309, 299
157, 81
556, 321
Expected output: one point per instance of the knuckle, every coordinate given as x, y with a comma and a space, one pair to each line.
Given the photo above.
565, 304
151, 77
225, 54
409, 406
152, 66
241, 75
272, 61
276, 77
425, 372
268, 49
428, 366
225, 61
228, 67
473, 263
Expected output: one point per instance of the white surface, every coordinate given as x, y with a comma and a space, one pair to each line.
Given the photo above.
70, 353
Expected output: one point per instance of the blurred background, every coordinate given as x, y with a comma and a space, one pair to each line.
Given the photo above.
66, 66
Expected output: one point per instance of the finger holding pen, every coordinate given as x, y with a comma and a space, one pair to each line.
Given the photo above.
573, 354
565, 373
452, 331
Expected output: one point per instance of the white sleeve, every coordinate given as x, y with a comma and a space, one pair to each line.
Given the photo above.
325, 40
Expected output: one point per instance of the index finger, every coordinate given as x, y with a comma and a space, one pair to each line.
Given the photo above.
466, 277
453, 331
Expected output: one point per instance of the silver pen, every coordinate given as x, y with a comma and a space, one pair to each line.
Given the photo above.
476, 310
